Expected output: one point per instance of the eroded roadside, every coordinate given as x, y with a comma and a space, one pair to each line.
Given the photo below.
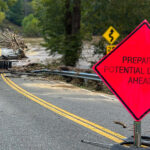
38, 58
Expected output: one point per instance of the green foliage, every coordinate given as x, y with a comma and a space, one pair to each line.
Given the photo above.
124, 15
11, 2
71, 50
127, 14
52, 17
4, 7
2, 17
30, 26
96, 17
16, 13
38, 7
52, 23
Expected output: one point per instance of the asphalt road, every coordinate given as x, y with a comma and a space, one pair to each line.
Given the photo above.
28, 125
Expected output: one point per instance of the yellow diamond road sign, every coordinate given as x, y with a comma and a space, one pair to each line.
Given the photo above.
111, 35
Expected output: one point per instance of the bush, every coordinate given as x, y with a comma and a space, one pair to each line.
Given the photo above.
2, 16
30, 26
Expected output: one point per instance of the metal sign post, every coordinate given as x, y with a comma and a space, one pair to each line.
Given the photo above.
137, 133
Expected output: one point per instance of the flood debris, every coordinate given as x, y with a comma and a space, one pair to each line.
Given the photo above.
120, 123
12, 45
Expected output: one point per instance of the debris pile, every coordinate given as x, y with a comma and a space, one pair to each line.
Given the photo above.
15, 42
38, 66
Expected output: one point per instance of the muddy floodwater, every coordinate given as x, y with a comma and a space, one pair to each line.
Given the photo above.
36, 53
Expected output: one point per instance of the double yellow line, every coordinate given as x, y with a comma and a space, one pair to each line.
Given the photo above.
81, 121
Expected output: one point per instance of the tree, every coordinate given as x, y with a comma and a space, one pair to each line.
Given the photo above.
126, 15
18, 11
94, 16
65, 23
27, 7
4, 4
2, 17
30, 26
72, 42
60, 23
51, 16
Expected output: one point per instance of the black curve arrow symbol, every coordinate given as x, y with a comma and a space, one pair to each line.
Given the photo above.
110, 35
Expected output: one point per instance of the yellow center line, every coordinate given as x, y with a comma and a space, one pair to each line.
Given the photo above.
64, 111
90, 125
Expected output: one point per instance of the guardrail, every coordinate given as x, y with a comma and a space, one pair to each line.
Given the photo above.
87, 76
5, 64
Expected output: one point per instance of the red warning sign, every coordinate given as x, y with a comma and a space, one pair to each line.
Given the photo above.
126, 71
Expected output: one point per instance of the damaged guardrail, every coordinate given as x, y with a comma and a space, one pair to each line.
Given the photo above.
5, 64
88, 76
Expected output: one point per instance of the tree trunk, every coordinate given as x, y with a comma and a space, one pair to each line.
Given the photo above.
76, 16
72, 43
72, 19
68, 18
